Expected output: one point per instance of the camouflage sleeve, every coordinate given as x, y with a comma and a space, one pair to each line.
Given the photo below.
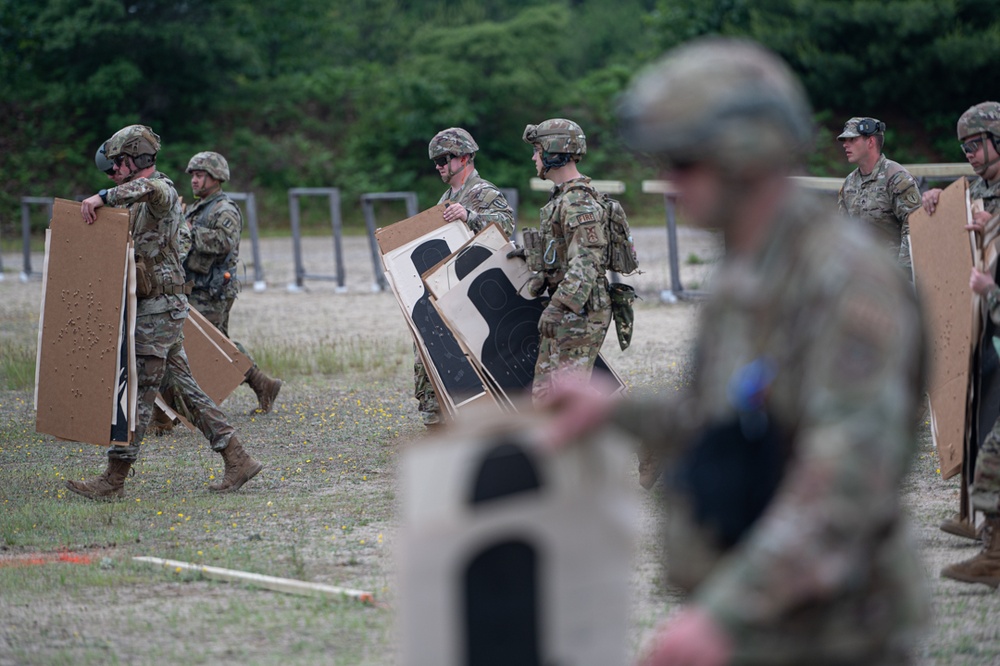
183, 239
838, 499
906, 195
586, 246
154, 192
905, 200
222, 233
487, 204
841, 206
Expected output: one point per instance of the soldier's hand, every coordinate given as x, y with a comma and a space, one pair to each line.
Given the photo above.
929, 200
517, 252
979, 220
578, 407
693, 637
88, 209
552, 315
454, 212
980, 282
536, 285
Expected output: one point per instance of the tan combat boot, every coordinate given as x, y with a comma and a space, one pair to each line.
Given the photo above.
960, 528
109, 485
985, 566
240, 467
265, 388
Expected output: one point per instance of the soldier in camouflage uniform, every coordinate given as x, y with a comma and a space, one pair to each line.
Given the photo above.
161, 307
471, 200
979, 135
811, 336
879, 191
216, 223
574, 241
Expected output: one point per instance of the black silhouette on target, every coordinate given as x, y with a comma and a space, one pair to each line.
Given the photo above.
457, 375
510, 350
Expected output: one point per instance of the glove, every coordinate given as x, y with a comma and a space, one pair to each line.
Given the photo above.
535, 285
519, 252
549, 321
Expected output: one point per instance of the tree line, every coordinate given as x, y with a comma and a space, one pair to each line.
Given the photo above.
347, 93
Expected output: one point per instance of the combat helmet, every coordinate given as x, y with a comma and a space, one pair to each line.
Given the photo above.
452, 141
214, 164
728, 102
137, 141
102, 162
983, 117
557, 135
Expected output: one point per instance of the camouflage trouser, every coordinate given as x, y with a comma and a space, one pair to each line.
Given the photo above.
423, 391
985, 490
160, 360
576, 344
217, 312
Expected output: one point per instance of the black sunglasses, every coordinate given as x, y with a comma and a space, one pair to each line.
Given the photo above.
441, 160
970, 147
119, 159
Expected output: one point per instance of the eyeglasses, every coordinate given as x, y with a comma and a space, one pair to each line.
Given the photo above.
119, 159
972, 147
441, 160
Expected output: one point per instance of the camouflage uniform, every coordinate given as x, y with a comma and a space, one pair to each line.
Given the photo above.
215, 223
884, 198
984, 492
574, 225
828, 568
809, 333
155, 221
155, 217
484, 204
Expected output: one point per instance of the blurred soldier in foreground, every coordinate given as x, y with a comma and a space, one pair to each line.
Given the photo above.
879, 191
572, 259
784, 457
979, 135
475, 202
161, 307
215, 223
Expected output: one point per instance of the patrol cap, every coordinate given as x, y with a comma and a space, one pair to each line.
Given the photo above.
861, 126
213, 164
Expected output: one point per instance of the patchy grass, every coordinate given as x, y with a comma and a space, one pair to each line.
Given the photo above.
17, 365
321, 511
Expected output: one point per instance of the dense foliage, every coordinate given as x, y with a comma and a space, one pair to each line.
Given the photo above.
347, 93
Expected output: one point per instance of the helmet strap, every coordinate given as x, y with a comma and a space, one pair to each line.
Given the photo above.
554, 160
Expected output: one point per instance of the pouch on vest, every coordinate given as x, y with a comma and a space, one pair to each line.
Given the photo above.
730, 472
145, 284
532, 240
198, 262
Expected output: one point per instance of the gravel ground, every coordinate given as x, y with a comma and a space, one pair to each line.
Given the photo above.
353, 423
